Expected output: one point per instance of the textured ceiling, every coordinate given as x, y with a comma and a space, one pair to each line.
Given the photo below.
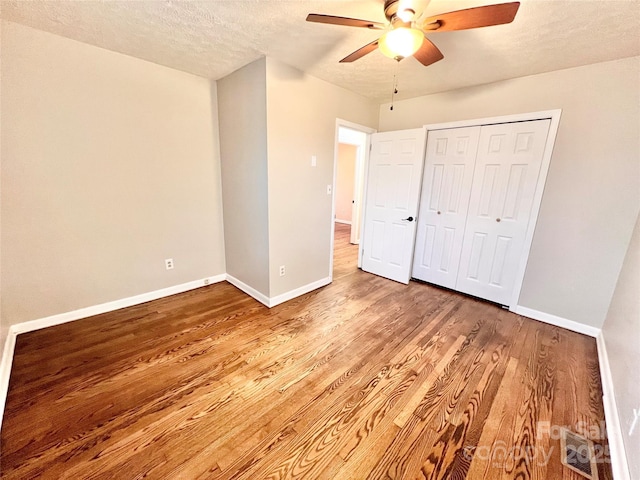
213, 38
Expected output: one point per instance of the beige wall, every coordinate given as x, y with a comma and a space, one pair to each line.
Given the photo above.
621, 331
301, 122
243, 151
345, 180
592, 195
109, 166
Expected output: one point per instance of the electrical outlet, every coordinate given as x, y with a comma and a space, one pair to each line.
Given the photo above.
282, 270
314, 160
206, 281
168, 263
329, 189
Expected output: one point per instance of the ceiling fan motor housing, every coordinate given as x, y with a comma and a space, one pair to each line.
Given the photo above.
390, 9
398, 18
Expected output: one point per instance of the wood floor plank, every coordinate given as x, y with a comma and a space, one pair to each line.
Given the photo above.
364, 378
451, 455
353, 401
489, 455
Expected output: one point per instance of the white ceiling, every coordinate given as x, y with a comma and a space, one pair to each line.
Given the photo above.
215, 37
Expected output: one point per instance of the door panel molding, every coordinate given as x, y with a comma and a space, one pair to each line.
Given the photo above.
448, 174
393, 182
505, 177
554, 116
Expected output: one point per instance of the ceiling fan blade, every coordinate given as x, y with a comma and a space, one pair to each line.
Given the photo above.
347, 22
361, 52
472, 18
428, 53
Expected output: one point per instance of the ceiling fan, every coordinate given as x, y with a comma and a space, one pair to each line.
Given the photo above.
407, 34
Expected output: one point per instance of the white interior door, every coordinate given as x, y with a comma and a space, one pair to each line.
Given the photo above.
395, 171
448, 173
505, 177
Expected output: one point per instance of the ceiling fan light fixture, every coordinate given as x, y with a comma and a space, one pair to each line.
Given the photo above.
401, 42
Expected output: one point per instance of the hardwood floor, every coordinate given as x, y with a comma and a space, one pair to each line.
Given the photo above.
345, 255
365, 378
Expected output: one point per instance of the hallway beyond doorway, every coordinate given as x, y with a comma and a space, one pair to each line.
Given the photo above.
345, 254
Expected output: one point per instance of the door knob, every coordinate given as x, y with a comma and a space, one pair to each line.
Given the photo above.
408, 219
438, 212
497, 220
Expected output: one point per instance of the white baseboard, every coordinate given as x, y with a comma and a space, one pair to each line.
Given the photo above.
346, 222
111, 306
617, 452
557, 321
5, 368
278, 299
15, 330
252, 292
616, 445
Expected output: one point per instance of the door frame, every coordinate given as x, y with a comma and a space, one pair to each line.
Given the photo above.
554, 116
362, 154
365, 164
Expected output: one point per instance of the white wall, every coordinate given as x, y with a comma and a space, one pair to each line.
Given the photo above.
592, 195
345, 180
621, 332
301, 122
243, 147
110, 165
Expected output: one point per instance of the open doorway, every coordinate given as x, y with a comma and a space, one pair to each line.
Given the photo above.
345, 254
349, 180
350, 166
345, 190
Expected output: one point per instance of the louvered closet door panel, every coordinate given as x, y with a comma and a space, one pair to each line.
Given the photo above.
505, 177
444, 202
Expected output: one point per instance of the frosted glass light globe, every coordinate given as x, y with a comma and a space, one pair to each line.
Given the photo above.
401, 42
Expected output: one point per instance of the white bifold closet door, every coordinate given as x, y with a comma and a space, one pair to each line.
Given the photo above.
448, 172
505, 179
506, 168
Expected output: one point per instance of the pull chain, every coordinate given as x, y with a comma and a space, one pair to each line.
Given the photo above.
395, 85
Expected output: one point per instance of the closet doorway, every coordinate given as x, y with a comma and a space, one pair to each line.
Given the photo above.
476, 204
481, 191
